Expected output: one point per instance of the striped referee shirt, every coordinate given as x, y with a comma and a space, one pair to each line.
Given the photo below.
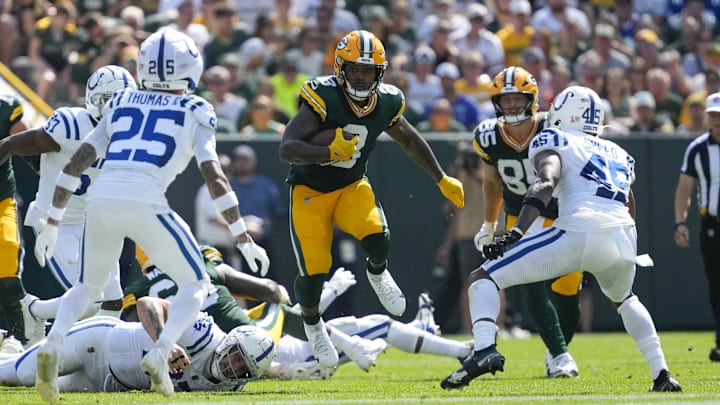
702, 161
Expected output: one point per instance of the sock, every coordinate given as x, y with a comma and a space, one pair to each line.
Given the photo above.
544, 317
409, 339
73, 304
45, 309
639, 324
11, 292
484, 301
376, 269
568, 312
340, 340
181, 314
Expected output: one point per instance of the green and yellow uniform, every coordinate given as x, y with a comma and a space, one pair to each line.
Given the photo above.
220, 303
338, 193
500, 150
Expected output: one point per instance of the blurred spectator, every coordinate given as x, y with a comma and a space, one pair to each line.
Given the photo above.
627, 20
250, 10
228, 106
698, 123
608, 56
286, 84
184, 23
260, 202
535, 63
711, 84
134, 17
562, 78
128, 60
328, 35
611, 126
693, 61
666, 102
92, 40
441, 119
557, 16
356, 6
543, 39
112, 51
691, 10
712, 55
234, 65
645, 118
647, 46
254, 55
442, 45
402, 27
55, 38
261, 119
669, 61
503, 15
227, 34
341, 20
478, 38
517, 35
616, 90
414, 112
423, 84
442, 10
465, 109
306, 50
637, 72
375, 18
473, 82
284, 21
590, 72
210, 227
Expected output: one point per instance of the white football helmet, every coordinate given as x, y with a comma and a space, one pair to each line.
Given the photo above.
577, 108
102, 84
169, 60
245, 354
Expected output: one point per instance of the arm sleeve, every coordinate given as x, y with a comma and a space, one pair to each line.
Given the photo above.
205, 145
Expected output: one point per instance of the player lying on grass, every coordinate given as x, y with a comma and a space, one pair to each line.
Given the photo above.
355, 338
105, 354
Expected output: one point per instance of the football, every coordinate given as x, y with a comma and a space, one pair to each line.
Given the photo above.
325, 137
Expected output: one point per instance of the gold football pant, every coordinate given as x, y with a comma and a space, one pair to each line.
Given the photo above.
353, 209
9, 239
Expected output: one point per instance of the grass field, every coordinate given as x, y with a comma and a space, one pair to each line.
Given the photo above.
612, 371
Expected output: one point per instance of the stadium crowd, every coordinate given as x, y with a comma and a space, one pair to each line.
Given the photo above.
653, 62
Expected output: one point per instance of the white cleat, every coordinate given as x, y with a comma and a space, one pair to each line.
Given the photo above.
321, 346
562, 366
425, 315
156, 365
47, 373
388, 292
10, 345
34, 327
365, 352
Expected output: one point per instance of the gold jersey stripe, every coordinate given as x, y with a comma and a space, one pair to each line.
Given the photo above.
314, 100
362, 111
16, 113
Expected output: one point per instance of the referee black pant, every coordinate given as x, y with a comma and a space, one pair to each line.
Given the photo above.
710, 251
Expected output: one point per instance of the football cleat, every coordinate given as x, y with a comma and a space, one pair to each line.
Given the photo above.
364, 352
665, 383
425, 316
10, 345
715, 354
563, 365
156, 365
487, 360
34, 327
322, 348
46, 379
388, 292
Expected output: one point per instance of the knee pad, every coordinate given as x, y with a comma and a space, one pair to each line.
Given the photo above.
568, 285
377, 246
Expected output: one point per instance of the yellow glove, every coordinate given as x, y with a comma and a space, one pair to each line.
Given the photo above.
452, 189
342, 149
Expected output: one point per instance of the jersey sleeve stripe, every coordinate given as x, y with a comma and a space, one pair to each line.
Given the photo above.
76, 126
314, 100
129, 300
17, 112
65, 121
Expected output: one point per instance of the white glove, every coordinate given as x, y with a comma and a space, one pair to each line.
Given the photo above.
485, 235
252, 252
45, 243
341, 280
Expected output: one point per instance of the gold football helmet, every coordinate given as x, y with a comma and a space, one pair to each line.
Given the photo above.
359, 48
515, 80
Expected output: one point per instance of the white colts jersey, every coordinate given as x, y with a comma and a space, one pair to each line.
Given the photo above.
148, 138
128, 343
594, 186
68, 127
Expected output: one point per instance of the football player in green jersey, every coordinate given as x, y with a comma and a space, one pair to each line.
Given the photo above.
328, 186
11, 287
503, 144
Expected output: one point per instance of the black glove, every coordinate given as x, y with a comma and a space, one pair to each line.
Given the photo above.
502, 243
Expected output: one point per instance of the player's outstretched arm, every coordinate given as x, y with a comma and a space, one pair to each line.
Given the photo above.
26, 143
251, 287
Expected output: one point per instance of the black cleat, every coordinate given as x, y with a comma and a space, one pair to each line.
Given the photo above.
715, 354
483, 361
665, 383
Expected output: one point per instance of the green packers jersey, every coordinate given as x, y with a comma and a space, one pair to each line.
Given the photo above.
510, 158
220, 303
11, 111
335, 109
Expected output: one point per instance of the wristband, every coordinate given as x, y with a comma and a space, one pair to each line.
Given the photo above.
534, 202
68, 182
225, 201
678, 224
56, 213
237, 227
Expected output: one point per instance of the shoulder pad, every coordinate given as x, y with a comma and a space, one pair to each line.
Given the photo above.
202, 110
313, 92
485, 134
63, 124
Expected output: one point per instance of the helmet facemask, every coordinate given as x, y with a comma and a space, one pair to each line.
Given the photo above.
516, 115
245, 354
358, 94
